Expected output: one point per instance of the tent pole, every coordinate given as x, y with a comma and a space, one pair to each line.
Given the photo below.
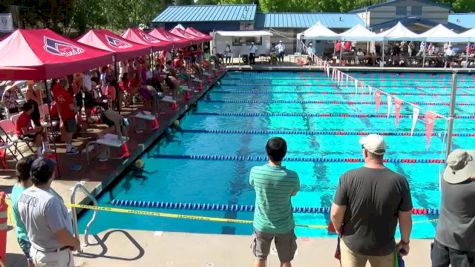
382, 55
48, 101
341, 51
424, 55
116, 74
450, 127
467, 52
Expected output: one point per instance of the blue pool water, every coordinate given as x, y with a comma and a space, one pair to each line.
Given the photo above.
267, 93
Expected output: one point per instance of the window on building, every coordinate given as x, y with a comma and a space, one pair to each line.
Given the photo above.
401, 11
416, 10
238, 41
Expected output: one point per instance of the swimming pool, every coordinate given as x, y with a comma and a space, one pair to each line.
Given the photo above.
209, 162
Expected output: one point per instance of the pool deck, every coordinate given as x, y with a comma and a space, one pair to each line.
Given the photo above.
169, 249
117, 248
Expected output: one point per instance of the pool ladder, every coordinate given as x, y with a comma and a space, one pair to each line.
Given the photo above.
79, 186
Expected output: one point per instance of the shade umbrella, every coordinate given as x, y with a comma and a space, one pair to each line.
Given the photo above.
177, 41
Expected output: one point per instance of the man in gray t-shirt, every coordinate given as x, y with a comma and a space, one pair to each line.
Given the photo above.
368, 204
455, 237
46, 219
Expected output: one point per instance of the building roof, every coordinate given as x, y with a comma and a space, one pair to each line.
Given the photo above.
466, 20
306, 20
199, 13
391, 2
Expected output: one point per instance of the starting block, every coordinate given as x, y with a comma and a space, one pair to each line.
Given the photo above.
109, 141
147, 116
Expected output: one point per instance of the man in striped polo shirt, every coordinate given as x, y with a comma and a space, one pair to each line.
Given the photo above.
273, 219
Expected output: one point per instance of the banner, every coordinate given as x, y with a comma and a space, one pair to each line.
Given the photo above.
377, 98
397, 105
415, 116
390, 100
430, 121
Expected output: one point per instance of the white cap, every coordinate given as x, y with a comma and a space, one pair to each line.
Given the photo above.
374, 143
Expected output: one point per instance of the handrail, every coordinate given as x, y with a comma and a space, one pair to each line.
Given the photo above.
74, 213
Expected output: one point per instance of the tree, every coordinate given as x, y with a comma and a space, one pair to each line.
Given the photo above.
183, 2
206, 2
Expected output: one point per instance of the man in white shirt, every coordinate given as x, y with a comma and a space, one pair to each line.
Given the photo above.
252, 54
310, 52
280, 47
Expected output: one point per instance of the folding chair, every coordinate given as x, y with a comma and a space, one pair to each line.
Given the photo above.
8, 128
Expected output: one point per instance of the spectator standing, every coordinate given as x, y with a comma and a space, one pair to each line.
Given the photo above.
310, 52
23, 174
280, 47
67, 113
33, 96
46, 219
368, 204
454, 240
252, 53
273, 218
228, 54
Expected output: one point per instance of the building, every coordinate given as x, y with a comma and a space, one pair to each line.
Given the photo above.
417, 15
465, 20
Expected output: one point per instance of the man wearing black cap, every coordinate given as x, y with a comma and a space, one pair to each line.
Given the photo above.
46, 219
454, 242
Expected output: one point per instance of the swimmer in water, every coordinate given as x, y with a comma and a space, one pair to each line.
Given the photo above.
138, 170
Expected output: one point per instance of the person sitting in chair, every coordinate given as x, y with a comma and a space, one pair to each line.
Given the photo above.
24, 129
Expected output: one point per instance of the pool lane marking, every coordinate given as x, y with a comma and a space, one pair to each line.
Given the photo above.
330, 102
303, 132
315, 115
194, 217
249, 92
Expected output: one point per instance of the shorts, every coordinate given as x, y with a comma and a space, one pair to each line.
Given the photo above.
70, 125
286, 245
63, 258
350, 258
88, 100
442, 256
25, 246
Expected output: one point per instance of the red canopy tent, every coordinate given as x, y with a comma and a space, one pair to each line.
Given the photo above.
138, 36
109, 41
43, 54
183, 34
198, 33
177, 41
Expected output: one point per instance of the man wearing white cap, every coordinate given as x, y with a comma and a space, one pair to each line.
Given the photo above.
368, 204
280, 47
454, 242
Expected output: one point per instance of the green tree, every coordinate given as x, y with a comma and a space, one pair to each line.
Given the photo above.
183, 2
206, 2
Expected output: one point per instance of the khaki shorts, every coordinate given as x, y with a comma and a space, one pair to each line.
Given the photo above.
286, 245
353, 259
63, 258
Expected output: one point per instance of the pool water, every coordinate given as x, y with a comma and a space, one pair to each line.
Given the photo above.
265, 94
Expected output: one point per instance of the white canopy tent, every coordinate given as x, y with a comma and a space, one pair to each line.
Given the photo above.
318, 31
244, 33
398, 33
470, 35
359, 33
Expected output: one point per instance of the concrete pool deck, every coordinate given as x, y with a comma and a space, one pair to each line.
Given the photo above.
123, 248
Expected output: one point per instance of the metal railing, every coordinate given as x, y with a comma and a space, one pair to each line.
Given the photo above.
79, 186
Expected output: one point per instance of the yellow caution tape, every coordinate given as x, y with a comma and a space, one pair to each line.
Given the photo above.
193, 217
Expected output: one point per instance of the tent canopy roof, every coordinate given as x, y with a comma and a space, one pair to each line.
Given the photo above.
198, 33
441, 34
359, 33
170, 37
469, 34
318, 31
183, 34
244, 33
107, 40
138, 36
43, 54
400, 33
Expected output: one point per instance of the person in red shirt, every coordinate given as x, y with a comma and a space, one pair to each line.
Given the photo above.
67, 113
25, 130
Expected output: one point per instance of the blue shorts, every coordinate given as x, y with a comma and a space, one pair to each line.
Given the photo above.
25, 246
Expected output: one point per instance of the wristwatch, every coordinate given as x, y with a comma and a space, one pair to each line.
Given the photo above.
404, 242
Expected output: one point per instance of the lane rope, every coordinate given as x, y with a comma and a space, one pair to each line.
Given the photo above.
329, 102
268, 92
228, 207
293, 159
192, 217
315, 115
303, 132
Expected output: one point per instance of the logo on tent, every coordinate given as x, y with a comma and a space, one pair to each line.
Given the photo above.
61, 48
149, 38
117, 43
